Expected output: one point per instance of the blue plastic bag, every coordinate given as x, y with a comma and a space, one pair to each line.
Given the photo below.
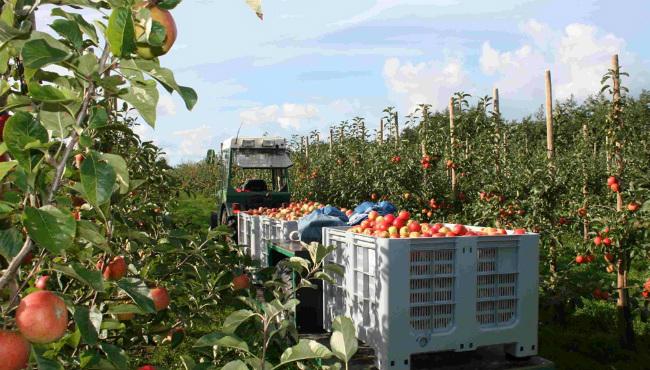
362, 210
311, 226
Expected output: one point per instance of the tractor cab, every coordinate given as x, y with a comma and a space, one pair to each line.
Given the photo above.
255, 173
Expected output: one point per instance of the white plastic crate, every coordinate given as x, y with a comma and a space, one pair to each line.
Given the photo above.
244, 226
336, 294
419, 295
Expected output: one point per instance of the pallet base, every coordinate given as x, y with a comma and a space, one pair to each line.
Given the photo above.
484, 358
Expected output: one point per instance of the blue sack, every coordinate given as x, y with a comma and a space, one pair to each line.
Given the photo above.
311, 226
362, 210
364, 207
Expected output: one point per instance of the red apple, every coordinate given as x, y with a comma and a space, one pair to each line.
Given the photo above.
160, 298
598, 240
41, 282
115, 270
404, 215
14, 351
241, 282
372, 215
459, 229
42, 317
611, 181
414, 227
399, 222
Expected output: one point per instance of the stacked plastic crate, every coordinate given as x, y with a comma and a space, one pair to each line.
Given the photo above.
419, 295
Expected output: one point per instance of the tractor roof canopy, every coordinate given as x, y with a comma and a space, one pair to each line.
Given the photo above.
258, 152
246, 158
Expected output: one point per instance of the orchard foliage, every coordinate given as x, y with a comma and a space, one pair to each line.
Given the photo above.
505, 179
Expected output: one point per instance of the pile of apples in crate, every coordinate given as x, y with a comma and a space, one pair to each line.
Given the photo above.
292, 211
402, 226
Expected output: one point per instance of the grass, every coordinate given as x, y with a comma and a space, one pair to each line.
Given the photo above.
194, 211
589, 340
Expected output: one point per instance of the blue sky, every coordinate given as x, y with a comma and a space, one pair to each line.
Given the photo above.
313, 63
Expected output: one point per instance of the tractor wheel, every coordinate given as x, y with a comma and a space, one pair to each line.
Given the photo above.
214, 220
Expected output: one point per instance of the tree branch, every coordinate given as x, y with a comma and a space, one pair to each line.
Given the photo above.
60, 168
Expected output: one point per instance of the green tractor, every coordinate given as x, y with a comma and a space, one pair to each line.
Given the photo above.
255, 173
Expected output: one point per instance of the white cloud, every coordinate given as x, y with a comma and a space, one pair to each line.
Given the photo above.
431, 82
586, 56
577, 56
288, 115
166, 105
194, 142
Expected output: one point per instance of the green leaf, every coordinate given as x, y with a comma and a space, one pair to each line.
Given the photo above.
87, 64
235, 319
11, 240
164, 76
97, 179
86, 27
168, 4
115, 355
121, 170
43, 363
336, 269
235, 365
125, 308
343, 342
50, 94
224, 340
91, 278
157, 35
20, 131
5, 167
16, 101
88, 322
50, 227
138, 291
121, 32
88, 231
8, 33
98, 118
69, 30
58, 121
38, 53
143, 96
304, 350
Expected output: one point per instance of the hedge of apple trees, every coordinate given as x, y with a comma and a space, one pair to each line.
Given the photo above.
495, 172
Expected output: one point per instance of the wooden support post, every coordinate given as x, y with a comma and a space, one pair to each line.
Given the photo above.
497, 129
585, 188
549, 118
331, 139
307, 148
341, 134
396, 130
625, 324
452, 144
549, 154
380, 133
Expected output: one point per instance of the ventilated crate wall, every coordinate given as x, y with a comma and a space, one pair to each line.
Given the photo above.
496, 283
364, 280
335, 295
243, 228
409, 296
432, 289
